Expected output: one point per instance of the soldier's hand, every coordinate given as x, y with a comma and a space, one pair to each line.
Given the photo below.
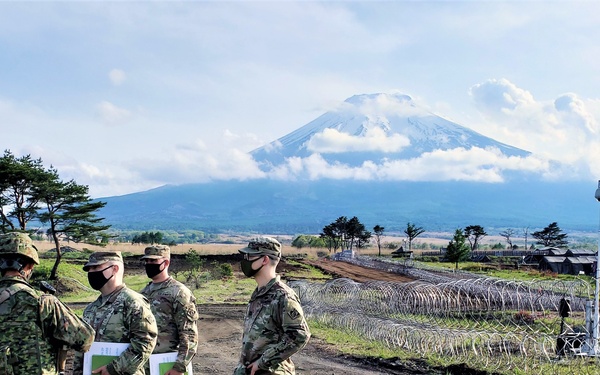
253, 367
173, 372
102, 371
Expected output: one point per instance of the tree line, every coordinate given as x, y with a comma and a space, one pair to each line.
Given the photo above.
344, 233
32, 193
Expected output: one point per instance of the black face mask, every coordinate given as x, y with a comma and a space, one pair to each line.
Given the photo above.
153, 269
97, 279
247, 267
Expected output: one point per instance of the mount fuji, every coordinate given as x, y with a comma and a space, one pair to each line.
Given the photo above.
376, 127
379, 157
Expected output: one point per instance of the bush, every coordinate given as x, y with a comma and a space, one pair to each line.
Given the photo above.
225, 270
41, 272
524, 317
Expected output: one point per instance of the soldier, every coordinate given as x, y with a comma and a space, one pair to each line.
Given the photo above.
173, 306
35, 326
119, 315
274, 326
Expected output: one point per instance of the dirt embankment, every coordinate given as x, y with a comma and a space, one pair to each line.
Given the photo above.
356, 273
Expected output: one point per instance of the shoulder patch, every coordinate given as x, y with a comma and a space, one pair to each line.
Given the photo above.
294, 314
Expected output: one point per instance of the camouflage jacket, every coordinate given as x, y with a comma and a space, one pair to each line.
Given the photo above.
123, 316
174, 307
34, 327
274, 329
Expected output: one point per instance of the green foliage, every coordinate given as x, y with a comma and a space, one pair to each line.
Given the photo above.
474, 233
222, 270
498, 246
345, 233
551, 236
41, 272
148, 238
18, 201
34, 192
412, 231
457, 250
304, 240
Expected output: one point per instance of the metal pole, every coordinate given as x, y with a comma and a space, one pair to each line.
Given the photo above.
594, 348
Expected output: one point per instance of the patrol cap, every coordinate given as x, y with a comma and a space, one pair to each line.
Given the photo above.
16, 243
263, 246
157, 252
101, 257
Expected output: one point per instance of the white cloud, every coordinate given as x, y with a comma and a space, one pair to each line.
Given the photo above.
574, 110
112, 114
500, 96
375, 139
475, 164
117, 77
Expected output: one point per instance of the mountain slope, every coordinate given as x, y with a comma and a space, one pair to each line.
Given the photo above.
305, 207
407, 131
377, 128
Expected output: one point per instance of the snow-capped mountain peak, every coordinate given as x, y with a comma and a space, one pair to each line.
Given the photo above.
376, 127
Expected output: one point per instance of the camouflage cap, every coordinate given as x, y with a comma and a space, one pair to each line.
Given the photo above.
157, 252
262, 246
101, 257
16, 243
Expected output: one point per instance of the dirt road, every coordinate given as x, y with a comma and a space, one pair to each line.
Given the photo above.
220, 328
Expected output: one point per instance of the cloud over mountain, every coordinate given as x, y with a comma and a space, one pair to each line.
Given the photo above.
390, 137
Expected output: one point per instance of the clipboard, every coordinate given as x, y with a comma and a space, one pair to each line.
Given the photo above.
101, 354
163, 362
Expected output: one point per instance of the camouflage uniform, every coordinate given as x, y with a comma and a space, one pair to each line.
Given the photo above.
274, 326
123, 316
174, 307
34, 325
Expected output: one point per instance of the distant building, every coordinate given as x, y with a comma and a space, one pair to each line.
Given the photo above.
564, 261
401, 253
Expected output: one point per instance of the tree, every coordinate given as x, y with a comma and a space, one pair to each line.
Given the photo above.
507, 234
457, 250
331, 237
345, 233
70, 213
378, 231
301, 241
474, 233
412, 231
18, 177
304, 240
551, 236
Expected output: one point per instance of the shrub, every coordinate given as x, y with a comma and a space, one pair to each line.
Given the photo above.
225, 270
525, 317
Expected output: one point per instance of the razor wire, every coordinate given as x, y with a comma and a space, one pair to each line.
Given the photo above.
500, 325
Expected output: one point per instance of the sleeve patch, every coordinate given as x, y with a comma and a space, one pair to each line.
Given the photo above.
294, 314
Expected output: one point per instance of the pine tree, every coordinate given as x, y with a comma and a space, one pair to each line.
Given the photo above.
458, 250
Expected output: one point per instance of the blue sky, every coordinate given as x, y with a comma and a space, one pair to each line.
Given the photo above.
127, 96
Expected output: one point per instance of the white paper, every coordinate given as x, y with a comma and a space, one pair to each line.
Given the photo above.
157, 359
102, 349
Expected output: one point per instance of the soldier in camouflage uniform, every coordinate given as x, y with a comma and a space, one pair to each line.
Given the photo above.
274, 326
119, 315
174, 307
35, 326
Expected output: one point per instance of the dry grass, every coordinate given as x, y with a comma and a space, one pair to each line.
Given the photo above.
202, 249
